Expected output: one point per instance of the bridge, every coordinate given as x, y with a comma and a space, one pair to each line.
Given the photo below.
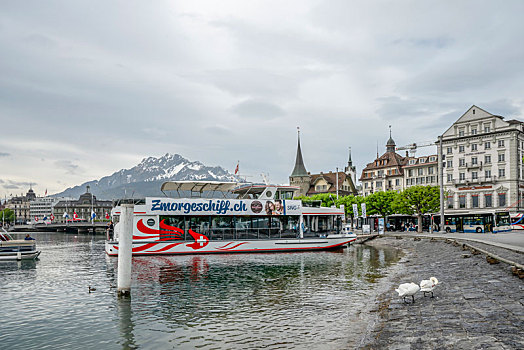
74, 227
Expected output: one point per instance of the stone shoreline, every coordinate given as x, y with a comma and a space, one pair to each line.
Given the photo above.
476, 305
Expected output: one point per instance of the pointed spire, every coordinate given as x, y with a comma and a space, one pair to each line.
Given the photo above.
300, 169
350, 162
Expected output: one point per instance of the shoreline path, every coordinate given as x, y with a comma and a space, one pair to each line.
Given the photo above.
476, 305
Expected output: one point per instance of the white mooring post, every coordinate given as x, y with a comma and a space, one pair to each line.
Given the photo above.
125, 246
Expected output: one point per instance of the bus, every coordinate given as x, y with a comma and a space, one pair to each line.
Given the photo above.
479, 222
517, 221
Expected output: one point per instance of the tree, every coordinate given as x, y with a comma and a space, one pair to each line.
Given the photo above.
8, 215
381, 203
418, 200
348, 202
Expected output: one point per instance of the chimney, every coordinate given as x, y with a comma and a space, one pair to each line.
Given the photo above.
407, 154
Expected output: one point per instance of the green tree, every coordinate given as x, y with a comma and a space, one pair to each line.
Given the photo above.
381, 203
418, 200
8, 215
348, 202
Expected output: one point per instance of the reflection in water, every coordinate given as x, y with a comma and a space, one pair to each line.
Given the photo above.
285, 300
125, 323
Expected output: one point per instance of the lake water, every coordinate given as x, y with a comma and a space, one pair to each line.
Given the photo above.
287, 300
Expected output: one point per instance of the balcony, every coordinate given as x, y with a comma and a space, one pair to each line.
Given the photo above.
474, 166
476, 181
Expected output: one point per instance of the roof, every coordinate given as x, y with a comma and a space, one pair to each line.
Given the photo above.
198, 186
331, 179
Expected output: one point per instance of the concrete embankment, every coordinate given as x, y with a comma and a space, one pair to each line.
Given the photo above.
477, 305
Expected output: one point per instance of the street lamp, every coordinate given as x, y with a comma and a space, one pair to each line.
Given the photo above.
441, 180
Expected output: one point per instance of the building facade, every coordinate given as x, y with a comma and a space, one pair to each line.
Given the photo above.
83, 207
421, 171
385, 173
483, 163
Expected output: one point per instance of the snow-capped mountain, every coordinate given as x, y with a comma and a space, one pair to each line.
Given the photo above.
146, 178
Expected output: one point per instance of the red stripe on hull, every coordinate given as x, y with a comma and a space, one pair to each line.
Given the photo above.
197, 252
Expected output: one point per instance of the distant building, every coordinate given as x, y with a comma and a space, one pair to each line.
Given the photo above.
21, 206
385, 173
82, 207
43, 207
331, 182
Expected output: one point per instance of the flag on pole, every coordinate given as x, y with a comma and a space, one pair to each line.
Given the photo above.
45, 193
93, 215
107, 215
66, 215
52, 217
36, 218
236, 169
75, 215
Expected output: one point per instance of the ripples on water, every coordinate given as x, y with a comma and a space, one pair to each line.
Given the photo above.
286, 300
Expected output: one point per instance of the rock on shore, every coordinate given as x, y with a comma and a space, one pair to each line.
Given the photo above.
476, 305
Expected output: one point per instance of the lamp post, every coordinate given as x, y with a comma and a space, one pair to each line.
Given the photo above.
441, 180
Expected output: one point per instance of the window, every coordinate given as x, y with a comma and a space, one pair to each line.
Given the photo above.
449, 150
412, 161
502, 199
475, 201
462, 176
487, 145
474, 161
410, 172
473, 146
488, 200
502, 172
501, 157
462, 201
474, 175
450, 177
432, 159
462, 162
474, 131
450, 163
422, 160
430, 170
420, 171
487, 128
397, 182
450, 202
366, 185
501, 143
461, 133
379, 184
487, 159
461, 149
487, 174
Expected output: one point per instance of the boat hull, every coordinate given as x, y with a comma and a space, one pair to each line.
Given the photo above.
234, 246
20, 256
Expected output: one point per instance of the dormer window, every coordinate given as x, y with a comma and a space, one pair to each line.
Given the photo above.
422, 160
432, 159
412, 161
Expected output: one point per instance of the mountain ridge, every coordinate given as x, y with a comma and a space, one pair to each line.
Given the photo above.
145, 178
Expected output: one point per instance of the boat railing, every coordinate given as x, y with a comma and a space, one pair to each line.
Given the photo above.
219, 234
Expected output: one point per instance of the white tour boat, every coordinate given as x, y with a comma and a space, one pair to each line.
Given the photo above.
17, 249
247, 218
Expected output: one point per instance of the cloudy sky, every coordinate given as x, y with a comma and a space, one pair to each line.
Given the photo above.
90, 87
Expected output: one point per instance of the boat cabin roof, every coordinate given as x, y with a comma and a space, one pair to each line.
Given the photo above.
198, 187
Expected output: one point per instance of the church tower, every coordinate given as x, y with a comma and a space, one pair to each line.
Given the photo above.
300, 177
351, 170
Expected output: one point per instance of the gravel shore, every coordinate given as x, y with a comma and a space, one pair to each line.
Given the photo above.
476, 305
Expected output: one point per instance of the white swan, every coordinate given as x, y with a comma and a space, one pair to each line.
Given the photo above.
427, 286
407, 289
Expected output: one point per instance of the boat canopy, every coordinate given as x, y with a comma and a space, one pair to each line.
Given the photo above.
197, 187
